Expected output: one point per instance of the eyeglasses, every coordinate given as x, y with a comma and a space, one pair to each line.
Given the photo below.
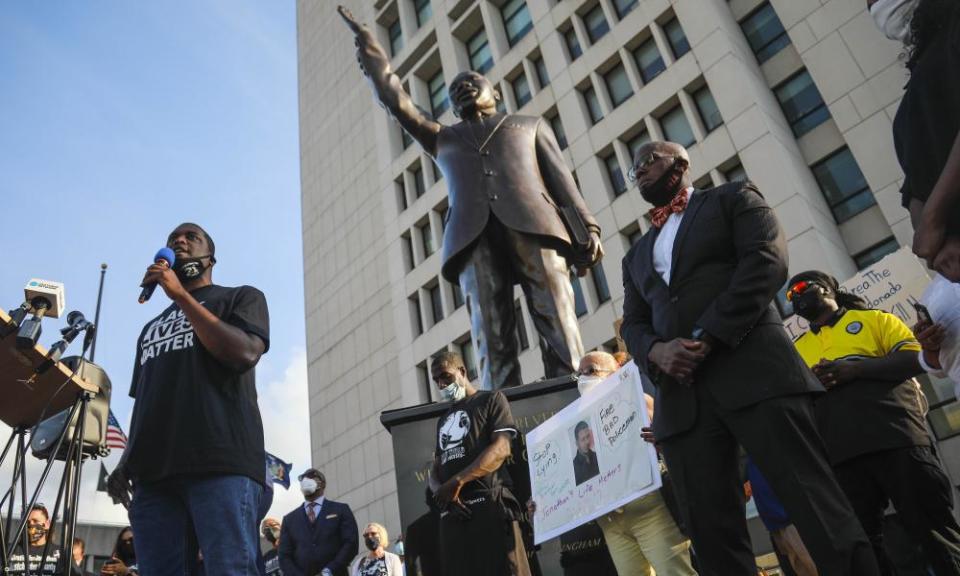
644, 163
594, 371
799, 288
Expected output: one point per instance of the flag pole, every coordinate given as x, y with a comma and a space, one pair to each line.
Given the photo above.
96, 318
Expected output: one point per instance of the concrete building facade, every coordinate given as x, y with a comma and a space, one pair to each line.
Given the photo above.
796, 95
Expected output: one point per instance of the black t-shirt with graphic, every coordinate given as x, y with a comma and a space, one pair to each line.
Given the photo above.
271, 563
52, 567
373, 566
465, 431
192, 414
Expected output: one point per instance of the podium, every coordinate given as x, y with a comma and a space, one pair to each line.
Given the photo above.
28, 397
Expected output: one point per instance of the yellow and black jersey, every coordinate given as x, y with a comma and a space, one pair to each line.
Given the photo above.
857, 334
865, 416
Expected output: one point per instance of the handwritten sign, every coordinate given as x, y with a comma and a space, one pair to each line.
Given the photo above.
589, 458
892, 285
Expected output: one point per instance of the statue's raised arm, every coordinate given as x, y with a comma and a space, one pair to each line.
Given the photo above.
375, 65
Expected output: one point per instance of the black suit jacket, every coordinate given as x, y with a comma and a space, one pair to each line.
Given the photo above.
331, 542
729, 261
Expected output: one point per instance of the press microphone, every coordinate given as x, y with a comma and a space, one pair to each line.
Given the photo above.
164, 256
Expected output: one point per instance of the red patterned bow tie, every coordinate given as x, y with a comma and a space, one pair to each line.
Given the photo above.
658, 216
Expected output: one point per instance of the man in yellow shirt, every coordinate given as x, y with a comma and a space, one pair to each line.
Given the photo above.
872, 416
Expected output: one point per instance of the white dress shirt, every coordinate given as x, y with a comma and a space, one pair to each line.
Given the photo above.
663, 247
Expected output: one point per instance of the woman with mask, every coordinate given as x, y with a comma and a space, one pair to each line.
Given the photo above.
377, 561
926, 129
871, 418
123, 562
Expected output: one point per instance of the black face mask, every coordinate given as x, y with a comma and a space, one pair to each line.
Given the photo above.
126, 553
35, 532
810, 305
190, 268
372, 542
660, 192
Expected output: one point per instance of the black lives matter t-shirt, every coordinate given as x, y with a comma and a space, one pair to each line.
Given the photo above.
18, 562
465, 431
192, 414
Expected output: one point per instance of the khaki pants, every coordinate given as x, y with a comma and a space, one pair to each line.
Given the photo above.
790, 544
643, 539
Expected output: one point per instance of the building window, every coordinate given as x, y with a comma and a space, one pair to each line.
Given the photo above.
802, 104
419, 185
521, 90
469, 358
543, 77
600, 283
559, 132
478, 49
593, 103
843, 185
437, 173
501, 105
438, 94
676, 128
426, 239
624, 7
634, 236
615, 174
580, 304
424, 11
764, 32
635, 143
648, 60
618, 85
678, 40
521, 326
396, 37
423, 379
876, 253
736, 173
401, 193
407, 246
457, 296
405, 139
415, 318
436, 303
573, 44
707, 107
516, 20
596, 24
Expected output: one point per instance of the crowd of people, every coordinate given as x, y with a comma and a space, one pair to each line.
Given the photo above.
825, 433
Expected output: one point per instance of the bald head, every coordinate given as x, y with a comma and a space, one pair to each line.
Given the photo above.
598, 363
664, 148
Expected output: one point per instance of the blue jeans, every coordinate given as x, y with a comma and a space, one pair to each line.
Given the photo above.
175, 518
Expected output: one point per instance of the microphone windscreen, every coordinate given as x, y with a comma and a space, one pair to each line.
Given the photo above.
165, 254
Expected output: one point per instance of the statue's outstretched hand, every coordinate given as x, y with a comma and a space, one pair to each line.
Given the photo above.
369, 51
349, 20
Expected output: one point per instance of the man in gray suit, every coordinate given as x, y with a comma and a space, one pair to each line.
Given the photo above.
515, 215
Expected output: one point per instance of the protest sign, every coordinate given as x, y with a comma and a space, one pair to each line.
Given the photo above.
892, 285
590, 458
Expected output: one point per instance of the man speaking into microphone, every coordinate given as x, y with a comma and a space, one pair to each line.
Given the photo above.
192, 473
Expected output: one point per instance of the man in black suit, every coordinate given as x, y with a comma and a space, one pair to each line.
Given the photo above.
699, 319
319, 537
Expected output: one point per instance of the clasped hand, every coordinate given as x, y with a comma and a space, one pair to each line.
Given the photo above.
836, 372
448, 498
679, 358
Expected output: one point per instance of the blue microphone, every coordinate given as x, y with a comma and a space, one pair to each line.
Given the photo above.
164, 256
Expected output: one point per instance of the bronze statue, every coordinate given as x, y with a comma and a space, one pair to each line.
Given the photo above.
515, 215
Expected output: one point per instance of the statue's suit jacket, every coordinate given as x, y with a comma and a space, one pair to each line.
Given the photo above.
510, 166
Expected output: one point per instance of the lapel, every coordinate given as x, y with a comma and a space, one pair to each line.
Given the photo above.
688, 217
646, 253
485, 134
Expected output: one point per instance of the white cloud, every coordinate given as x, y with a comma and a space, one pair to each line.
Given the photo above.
283, 407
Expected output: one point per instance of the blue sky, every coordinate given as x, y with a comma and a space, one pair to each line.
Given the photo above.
118, 121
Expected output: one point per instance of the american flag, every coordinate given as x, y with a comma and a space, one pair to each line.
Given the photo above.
116, 439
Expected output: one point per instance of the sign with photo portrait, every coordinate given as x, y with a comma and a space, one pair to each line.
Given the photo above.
590, 459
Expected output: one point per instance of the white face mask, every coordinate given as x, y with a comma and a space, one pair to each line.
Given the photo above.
893, 17
308, 486
587, 383
454, 392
